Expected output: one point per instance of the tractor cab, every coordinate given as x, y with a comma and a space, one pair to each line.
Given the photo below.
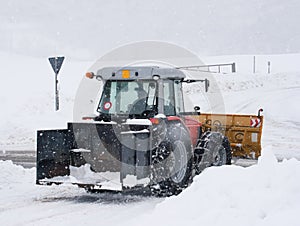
140, 92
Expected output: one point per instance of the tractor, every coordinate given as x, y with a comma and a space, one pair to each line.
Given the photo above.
141, 139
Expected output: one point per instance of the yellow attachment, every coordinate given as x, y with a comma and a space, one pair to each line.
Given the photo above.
243, 131
125, 74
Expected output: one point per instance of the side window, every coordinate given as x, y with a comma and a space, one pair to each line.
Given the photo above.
151, 99
169, 99
108, 96
179, 107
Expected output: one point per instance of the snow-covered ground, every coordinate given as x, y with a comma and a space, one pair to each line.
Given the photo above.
27, 98
264, 194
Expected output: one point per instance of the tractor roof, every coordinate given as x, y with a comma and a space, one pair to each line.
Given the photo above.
140, 72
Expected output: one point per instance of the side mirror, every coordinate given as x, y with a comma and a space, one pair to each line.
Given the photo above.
206, 81
197, 108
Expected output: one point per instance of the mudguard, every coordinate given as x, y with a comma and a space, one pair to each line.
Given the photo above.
53, 153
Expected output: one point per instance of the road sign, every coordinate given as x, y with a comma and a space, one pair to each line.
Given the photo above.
255, 122
56, 63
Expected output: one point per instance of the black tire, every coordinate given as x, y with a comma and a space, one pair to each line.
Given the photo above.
172, 163
227, 147
213, 149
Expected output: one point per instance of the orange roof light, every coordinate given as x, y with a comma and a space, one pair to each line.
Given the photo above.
89, 75
125, 74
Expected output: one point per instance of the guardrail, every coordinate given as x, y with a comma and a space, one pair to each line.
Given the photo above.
209, 67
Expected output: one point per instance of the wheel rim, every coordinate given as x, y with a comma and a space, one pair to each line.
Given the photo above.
220, 158
179, 162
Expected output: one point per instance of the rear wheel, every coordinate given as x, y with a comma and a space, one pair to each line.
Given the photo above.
213, 149
172, 165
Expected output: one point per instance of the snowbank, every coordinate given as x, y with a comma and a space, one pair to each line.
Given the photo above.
264, 194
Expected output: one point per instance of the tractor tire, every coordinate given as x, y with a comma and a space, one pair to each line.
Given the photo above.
227, 147
213, 149
172, 163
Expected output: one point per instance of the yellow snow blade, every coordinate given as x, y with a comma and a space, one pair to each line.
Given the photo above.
243, 131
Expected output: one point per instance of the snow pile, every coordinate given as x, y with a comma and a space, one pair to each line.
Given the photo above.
62, 205
265, 194
10, 175
84, 175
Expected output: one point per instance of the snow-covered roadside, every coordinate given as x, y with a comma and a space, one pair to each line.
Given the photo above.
27, 98
24, 203
264, 194
278, 94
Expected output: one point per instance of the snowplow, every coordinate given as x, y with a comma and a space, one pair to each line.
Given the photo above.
243, 131
142, 139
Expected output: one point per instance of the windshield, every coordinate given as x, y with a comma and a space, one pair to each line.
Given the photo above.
128, 97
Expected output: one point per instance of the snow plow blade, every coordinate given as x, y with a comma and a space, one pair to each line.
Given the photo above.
97, 156
243, 131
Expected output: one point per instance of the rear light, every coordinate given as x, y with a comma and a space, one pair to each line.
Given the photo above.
173, 118
88, 118
155, 121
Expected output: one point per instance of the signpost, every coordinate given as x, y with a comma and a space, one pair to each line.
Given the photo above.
56, 63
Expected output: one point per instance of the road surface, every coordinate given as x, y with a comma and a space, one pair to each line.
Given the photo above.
27, 159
